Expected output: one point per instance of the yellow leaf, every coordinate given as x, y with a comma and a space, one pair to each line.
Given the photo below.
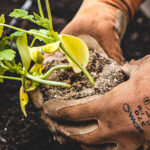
37, 70
51, 48
78, 49
22, 45
36, 55
36, 52
23, 100
30, 85
2, 20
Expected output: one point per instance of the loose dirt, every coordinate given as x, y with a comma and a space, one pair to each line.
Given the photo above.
105, 72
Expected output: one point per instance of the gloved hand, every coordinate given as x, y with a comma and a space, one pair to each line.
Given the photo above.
121, 116
106, 21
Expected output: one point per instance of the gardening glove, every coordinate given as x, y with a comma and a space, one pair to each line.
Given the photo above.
106, 21
121, 116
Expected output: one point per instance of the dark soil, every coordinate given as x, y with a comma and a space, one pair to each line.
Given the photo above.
105, 72
19, 133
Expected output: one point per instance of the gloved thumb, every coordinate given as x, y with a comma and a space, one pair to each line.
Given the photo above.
129, 69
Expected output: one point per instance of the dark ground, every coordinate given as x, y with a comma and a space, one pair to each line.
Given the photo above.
19, 133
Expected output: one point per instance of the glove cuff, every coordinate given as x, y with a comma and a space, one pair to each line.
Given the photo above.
129, 7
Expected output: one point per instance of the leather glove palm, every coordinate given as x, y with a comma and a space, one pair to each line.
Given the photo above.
121, 116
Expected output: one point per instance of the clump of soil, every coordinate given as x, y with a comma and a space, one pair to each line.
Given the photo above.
105, 72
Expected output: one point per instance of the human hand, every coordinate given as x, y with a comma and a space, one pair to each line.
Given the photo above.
121, 116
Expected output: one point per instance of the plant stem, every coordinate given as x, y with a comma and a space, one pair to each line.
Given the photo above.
40, 9
11, 43
49, 15
33, 41
47, 82
51, 70
65, 50
25, 31
11, 78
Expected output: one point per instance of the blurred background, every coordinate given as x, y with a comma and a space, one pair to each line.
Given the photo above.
19, 133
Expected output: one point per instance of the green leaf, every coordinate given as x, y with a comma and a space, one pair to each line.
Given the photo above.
16, 34
22, 45
3, 66
2, 20
2, 72
37, 17
23, 100
3, 44
7, 54
40, 21
19, 13
78, 49
42, 32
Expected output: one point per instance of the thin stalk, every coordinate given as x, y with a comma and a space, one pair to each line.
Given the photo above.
40, 9
49, 15
32, 43
53, 83
25, 31
8, 64
11, 78
11, 43
65, 50
51, 70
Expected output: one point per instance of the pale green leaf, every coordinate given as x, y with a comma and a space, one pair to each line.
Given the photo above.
16, 34
78, 49
7, 54
22, 45
40, 21
23, 100
19, 13
42, 32
2, 20
2, 65
3, 44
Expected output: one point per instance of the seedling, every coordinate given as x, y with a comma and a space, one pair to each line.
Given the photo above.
75, 50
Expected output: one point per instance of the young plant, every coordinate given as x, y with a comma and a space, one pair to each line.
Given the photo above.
75, 50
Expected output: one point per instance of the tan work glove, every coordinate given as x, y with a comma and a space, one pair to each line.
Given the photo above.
106, 21
121, 116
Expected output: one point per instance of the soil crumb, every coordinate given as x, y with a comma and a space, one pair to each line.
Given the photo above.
105, 72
